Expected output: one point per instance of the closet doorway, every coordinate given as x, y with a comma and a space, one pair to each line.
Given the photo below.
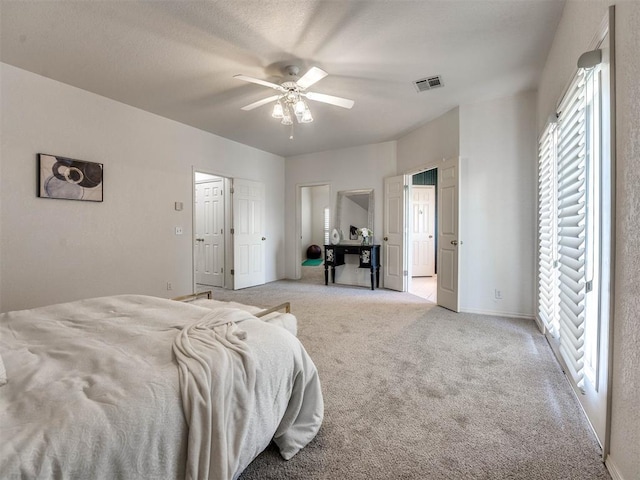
423, 279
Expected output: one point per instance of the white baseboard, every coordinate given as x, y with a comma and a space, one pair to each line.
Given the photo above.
525, 316
613, 469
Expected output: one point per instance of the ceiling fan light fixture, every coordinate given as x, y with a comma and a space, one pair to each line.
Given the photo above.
306, 116
292, 96
286, 117
300, 107
277, 110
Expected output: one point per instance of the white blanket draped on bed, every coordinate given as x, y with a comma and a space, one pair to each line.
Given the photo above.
94, 391
219, 390
216, 369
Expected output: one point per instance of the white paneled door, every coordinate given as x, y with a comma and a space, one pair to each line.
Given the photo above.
209, 233
249, 235
448, 239
393, 247
423, 226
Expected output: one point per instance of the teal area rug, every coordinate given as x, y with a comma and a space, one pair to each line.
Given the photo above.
312, 262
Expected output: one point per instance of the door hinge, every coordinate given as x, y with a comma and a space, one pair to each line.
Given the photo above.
406, 187
233, 272
405, 273
233, 231
589, 286
222, 270
231, 190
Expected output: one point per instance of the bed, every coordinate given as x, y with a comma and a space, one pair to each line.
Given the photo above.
134, 386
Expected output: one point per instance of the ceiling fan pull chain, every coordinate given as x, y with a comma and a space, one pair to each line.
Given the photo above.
291, 134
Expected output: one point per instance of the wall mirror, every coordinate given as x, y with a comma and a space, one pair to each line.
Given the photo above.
354, 209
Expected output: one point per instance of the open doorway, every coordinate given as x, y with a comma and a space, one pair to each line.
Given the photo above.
314, 220
397, 225
229, 232
423, 278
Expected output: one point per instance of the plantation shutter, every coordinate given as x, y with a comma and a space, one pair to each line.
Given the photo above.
571, 150
547, 232
326, 227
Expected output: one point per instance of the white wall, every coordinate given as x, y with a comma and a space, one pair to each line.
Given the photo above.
577, 28
431, 142
320, 199
57, 250
306, 209
498, 205
343, 169
497, 143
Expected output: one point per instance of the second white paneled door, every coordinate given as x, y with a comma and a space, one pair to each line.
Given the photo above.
393, 248
448, 241
249, 235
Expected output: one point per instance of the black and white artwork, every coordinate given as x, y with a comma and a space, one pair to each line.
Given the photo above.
69, 179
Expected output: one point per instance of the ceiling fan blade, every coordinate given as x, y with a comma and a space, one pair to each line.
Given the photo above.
259, 103
337, 101
259, 82
313, 75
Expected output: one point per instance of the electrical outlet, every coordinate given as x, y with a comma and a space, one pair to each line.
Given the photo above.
498, 294
169, 286
178, 230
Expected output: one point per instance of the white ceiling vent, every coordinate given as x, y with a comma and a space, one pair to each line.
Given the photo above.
428, 83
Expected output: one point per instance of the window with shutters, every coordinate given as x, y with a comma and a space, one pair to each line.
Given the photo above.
570, 227
576, 228
327, 221
548, 231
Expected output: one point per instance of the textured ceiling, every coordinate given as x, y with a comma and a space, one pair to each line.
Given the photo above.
177, 58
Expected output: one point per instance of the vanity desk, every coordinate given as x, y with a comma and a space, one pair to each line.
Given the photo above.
368, 257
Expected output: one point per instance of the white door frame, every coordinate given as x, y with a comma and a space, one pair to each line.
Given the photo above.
228, 240
408, 244
297, 244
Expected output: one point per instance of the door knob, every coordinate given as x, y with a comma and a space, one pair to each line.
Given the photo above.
454, 242
264, 238
386, 239
430, 236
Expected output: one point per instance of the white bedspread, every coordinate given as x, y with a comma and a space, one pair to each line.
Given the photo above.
93, 391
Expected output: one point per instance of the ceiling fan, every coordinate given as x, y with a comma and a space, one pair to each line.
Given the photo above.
290, 99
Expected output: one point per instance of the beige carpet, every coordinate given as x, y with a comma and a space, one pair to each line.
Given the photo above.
413, 391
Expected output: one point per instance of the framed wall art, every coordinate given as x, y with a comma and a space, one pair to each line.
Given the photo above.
69, 179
